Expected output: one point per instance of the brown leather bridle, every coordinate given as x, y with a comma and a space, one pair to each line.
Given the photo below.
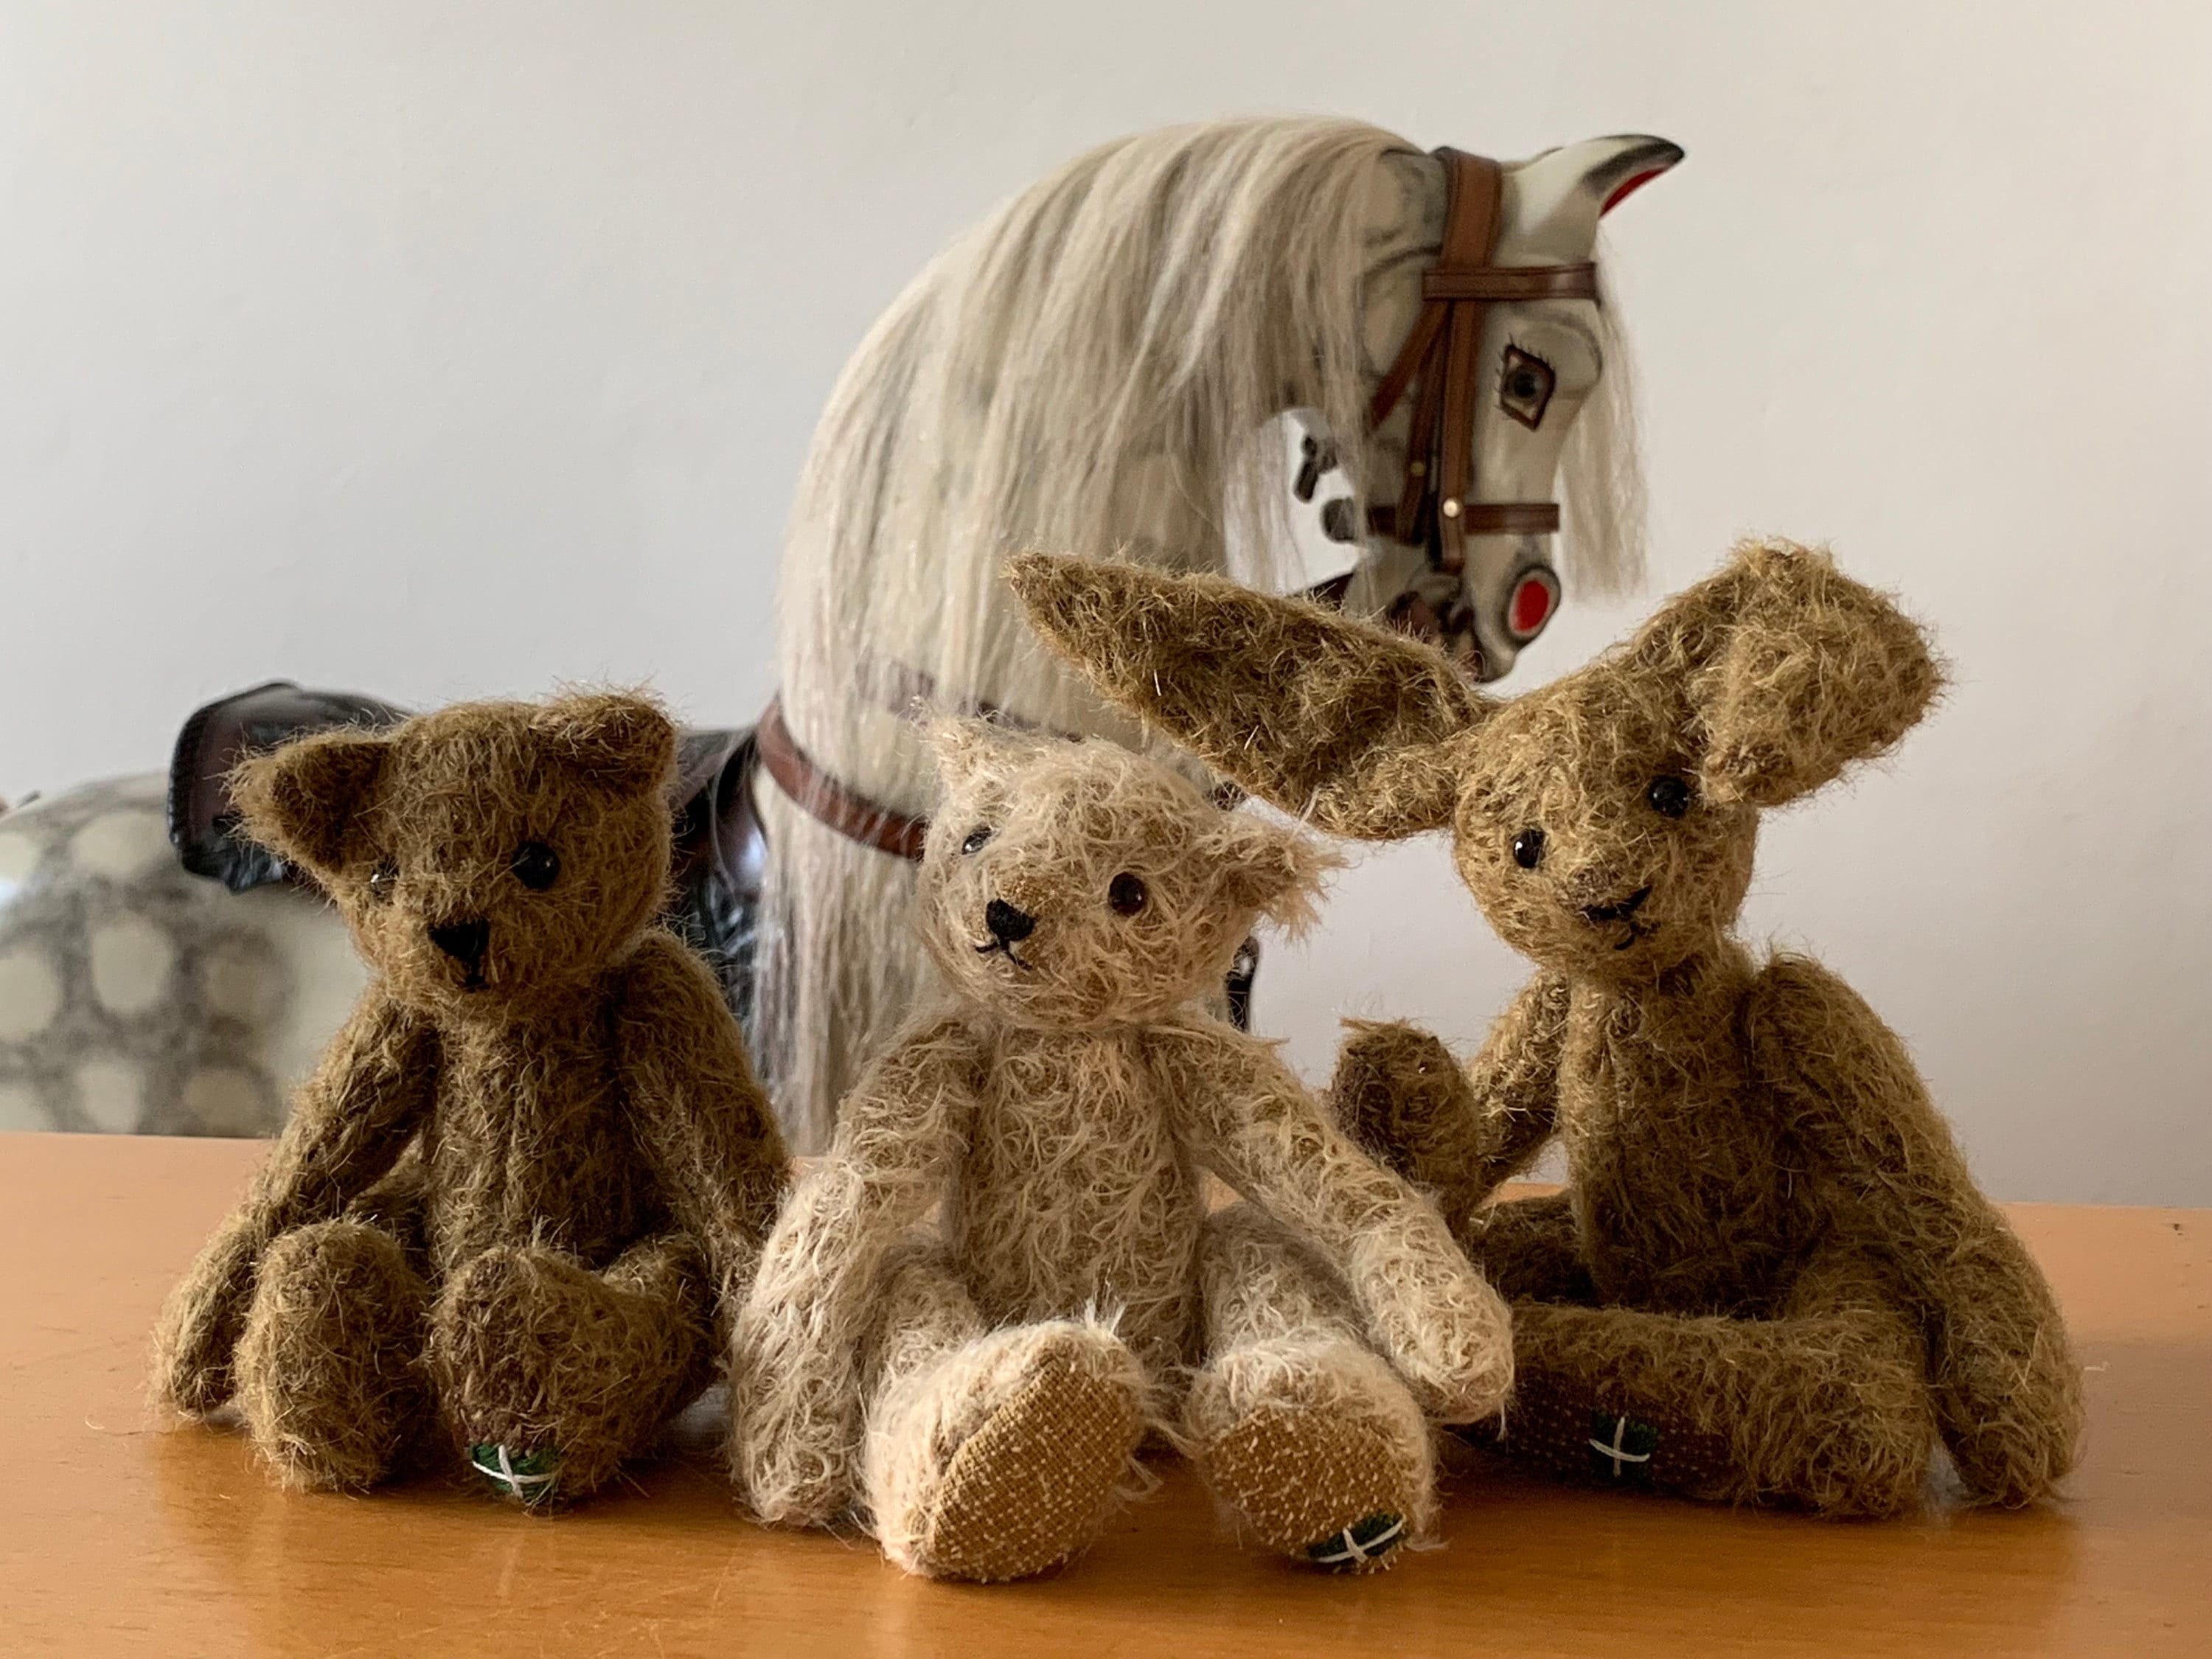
1439, 364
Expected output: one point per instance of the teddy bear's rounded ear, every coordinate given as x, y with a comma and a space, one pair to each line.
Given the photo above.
619, 740
300, 801
1270, 868
966, 748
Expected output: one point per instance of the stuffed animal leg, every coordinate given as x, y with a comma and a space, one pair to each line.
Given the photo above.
1302, 1429
1822, 1405
991, 1454
540, 1365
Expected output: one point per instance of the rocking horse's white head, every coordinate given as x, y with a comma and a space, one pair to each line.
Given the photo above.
1541, 368
1096, 369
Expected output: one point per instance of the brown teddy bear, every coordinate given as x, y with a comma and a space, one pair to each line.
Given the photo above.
533, 1161
1771, 1276
976, 1384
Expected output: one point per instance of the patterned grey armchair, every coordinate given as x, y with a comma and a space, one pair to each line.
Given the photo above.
137, 999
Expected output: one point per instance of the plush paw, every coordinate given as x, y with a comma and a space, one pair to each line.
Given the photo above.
1397, 1090
200, 1324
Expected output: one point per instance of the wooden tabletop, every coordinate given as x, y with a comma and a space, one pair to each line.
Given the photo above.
121, 1532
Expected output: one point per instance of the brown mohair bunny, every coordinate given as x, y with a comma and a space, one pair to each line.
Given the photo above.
534, 1160
970, 1313
1771, 1276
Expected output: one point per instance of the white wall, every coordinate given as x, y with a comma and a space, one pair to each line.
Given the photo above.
439, 350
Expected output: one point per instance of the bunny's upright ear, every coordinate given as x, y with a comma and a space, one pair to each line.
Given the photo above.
1317, 715
300, 801
620, 740
1795, 670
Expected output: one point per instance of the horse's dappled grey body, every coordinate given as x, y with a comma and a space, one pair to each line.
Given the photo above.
1091, 371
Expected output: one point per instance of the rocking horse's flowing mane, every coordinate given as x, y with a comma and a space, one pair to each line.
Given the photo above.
1086, 372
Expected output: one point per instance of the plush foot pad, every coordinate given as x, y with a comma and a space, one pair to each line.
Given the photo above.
1317, 1485
530, 1478
1030, 1487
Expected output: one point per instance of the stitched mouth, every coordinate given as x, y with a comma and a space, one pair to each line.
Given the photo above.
1637, 930
1007, 947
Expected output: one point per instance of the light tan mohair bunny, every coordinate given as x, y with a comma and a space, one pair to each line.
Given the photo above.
1004, 1275
1770, 1277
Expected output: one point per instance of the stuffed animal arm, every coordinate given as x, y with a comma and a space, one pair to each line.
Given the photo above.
1258, 1129
796, 1387
351, 1121
697, 1113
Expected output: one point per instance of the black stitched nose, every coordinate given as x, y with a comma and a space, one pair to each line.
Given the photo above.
1006, 923
1620, 912
463, 941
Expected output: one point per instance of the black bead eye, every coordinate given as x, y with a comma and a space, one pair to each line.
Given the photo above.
383, 880
1528, 848
536, 866
976, 837
1669, 796
1126, 895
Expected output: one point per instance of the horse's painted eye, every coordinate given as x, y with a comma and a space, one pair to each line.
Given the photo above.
976, 837
383, 881
1669, 796
536, 866
1528, 848
1525, 384
1126, 895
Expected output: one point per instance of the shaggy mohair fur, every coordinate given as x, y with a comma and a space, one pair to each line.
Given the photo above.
533, 1164
1770, 1276
977, 1385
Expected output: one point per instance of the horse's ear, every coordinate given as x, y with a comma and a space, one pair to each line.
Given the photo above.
1317, 715
1793, 669
301, 801
1558, 196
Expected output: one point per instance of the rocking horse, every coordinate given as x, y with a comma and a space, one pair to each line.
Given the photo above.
1300, 351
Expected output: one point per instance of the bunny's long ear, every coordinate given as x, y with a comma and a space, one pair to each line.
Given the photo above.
1794, 671
1314, 714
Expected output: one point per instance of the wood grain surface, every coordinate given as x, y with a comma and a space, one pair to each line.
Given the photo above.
123, 1534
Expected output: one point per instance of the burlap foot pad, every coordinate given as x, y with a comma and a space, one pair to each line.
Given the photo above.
1031, 1487
1314, 1484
